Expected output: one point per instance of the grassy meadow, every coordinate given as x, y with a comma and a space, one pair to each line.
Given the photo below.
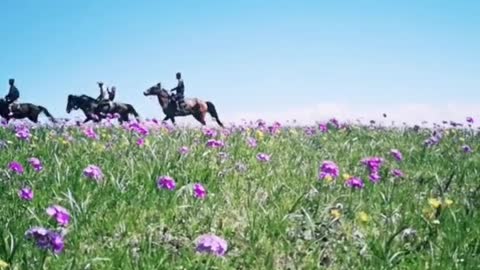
265, 193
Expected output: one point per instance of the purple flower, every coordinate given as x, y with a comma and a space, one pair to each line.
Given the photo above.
374, 177
138, 128
140, 142
373, 163
467, 149
90, 133
93, 172
26, 194
396, 154
397, 173
60, 214
323, 128
215, 144
355, 182
310, 131
328, 169
16, 167
334, 122
470, 120
262, 157
252, 143
209, 132
36, 164
46, 239
211, 244
23, 133
166, 182
183, 150
199, 191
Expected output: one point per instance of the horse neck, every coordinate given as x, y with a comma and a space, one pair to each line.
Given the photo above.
162, 102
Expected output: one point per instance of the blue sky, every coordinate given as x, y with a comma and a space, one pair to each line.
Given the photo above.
247, 57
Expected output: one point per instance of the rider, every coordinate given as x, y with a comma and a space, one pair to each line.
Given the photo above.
102, 99
180, 89
13, 95
111, 96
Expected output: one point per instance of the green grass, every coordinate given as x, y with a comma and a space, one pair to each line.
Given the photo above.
273, 215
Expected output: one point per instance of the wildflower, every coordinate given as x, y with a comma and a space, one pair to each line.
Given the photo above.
166, 182
61, 215
140, 142
26, 194
93, 172
211, 244
397, 173
262, 157
346, 176
323, 128
46, 239
183, 150
138, 128
199, 191
3, 264
396, 154
434, 202
373, 163
355, 182
36, 164
252, 143
215, 144
467, 149
209, 132
335, 213
374, 177
334, 122
90, 133
328, 168
363, 217
23, 133
448, 202
309, 131
470, 120
16, 167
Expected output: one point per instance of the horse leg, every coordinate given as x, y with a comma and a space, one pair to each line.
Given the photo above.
200, 117
173, 120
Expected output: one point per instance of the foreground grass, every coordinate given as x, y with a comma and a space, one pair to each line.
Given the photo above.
274, 215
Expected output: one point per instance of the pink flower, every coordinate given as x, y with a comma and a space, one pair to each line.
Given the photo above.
262, 157
199, 191
26, 194
61, 215
166, 182
211, 244
36, 164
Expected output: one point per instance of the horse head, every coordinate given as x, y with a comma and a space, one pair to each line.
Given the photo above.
72, 103
158, 91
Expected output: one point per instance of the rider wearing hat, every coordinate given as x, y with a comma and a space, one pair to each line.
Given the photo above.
180, 89
13, 94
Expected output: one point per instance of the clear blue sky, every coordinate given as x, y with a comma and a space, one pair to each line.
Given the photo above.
244, 55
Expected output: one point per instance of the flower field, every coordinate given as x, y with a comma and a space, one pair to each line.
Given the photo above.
251, 196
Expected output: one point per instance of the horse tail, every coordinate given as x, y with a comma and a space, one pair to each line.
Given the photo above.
47, 113
213, 112
132, 110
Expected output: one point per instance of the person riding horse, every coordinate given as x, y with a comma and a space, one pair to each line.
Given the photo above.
180, 89
13, 95
106, 97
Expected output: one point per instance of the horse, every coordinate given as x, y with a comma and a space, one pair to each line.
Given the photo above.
23, 110
90, 108
194, 106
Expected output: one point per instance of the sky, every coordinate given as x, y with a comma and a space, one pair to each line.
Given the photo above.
278, 60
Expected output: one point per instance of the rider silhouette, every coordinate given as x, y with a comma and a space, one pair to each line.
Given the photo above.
180, 89
12, 96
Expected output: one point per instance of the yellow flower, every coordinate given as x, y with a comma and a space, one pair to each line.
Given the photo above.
448, 202
328, 179
363, 217
429, 213
259, 135
462, 139
434, 202
335, 213
3, 264
346, 176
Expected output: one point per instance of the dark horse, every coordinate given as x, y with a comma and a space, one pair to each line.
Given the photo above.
194, 106
89, 106
23, 110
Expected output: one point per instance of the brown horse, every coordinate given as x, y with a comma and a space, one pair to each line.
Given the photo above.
23, 110
193, 106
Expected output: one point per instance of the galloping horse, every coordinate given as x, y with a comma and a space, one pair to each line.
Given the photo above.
89, 107
194, 106
23, 110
